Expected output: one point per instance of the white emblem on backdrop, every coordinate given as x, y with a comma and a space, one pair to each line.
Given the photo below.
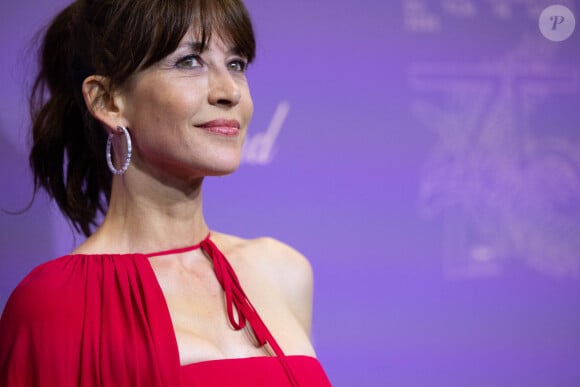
427, 16
259, 148
505, 187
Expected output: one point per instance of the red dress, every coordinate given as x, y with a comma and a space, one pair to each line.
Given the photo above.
102, 320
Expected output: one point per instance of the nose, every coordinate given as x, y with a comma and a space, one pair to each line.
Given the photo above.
223, 89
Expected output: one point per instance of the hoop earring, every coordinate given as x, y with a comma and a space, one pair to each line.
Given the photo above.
129, 150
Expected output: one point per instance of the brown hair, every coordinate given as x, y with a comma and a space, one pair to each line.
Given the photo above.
112, 38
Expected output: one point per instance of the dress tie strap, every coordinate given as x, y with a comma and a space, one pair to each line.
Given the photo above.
236, 298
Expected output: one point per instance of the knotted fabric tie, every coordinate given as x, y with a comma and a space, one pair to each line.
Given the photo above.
237, 302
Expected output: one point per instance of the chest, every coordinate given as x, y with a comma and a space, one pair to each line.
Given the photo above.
197, 305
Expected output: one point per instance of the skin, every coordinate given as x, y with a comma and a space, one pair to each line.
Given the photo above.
157, 204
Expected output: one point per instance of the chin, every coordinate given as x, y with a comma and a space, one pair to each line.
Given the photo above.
224, 168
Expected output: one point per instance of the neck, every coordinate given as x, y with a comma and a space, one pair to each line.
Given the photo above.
150, 216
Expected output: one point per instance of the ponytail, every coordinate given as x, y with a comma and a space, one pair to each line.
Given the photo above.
68, 145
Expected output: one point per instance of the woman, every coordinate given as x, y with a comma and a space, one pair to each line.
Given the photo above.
141, 99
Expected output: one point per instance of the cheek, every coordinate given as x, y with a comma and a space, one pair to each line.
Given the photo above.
164, 107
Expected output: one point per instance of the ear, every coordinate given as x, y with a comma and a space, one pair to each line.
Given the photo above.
103, 104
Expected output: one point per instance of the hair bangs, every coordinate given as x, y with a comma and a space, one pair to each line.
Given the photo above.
230, 21
167, 22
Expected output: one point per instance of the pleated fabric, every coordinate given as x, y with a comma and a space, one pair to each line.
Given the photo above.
97, 320
102, 320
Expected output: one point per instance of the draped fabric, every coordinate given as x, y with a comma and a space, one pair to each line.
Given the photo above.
88, 321
102, 320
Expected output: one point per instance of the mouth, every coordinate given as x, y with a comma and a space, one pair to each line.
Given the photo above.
221, 126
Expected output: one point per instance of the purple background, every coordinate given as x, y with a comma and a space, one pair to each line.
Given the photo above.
425, 155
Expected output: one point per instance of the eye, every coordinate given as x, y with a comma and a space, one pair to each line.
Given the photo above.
190, 61
238, 65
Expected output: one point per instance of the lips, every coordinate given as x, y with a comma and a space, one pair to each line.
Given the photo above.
221, 126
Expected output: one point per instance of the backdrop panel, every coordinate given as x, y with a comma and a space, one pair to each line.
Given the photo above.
425, 156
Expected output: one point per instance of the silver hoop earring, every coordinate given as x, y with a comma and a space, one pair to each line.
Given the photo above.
129, 150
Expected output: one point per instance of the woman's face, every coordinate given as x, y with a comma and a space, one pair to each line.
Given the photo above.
189, 113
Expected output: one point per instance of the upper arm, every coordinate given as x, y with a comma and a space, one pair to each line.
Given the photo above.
35, 328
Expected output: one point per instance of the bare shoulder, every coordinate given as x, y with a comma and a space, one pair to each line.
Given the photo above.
276, 265
273, 257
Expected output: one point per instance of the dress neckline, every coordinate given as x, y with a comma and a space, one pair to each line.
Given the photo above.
240, 310
179, 250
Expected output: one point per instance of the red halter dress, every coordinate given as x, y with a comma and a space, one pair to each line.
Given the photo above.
102, 320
